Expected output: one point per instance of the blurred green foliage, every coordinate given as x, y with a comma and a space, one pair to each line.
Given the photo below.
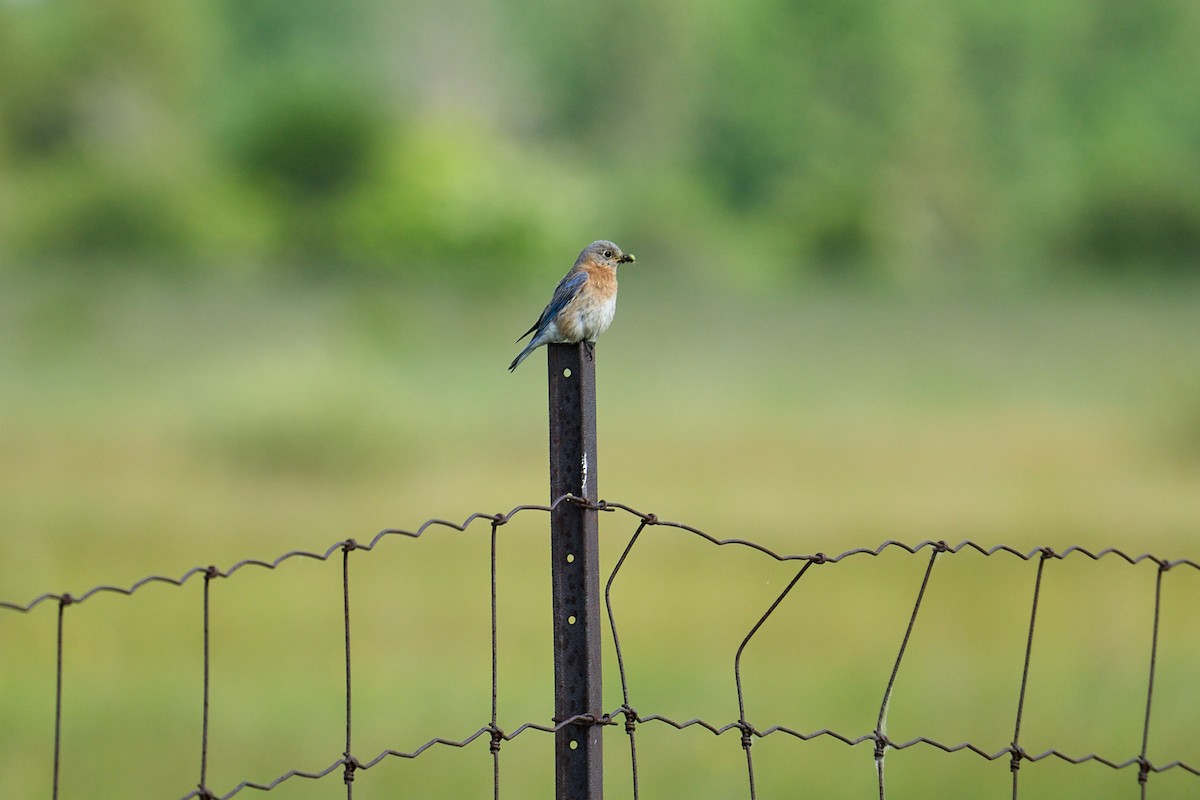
914, 141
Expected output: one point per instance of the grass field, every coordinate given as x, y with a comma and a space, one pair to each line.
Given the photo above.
150, 428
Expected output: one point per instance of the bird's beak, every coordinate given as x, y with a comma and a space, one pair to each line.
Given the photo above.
626, 258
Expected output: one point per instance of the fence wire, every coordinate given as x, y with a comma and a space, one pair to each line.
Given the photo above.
626, 715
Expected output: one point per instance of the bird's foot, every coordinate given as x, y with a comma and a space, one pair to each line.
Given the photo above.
590, 347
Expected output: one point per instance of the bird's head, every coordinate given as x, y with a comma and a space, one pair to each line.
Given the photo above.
605, 254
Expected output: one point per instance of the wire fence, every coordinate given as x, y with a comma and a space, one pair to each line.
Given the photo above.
633, 718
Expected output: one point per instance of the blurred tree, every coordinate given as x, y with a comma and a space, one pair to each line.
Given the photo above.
915, 140
304, 152
99, 124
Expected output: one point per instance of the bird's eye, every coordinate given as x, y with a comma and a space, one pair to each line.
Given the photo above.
608, 253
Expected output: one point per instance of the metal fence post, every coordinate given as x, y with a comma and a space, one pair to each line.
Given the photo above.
575, 572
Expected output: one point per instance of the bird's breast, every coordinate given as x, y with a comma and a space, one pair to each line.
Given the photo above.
588, 315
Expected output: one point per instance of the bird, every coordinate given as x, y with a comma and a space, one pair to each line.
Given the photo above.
584, 302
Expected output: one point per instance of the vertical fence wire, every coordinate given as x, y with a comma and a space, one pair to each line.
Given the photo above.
881, 723
1017, 752
495, 731
630, 714
1143, 763
746, 728
351, 762
63, 602
209, 574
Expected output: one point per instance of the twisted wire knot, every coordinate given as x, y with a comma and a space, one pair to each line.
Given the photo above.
1018, 753
631, 718
352, 764
747, 731
881, 745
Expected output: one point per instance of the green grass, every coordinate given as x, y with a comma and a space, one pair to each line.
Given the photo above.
149, 429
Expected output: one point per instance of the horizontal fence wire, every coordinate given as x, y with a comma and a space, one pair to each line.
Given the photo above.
626, 714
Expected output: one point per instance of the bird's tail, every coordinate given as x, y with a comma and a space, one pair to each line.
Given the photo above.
529, 348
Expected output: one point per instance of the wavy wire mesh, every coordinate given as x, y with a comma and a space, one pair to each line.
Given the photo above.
626, 714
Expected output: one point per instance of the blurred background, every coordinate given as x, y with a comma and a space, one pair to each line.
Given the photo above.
905, 271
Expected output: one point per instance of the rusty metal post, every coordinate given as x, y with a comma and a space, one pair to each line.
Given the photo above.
575, 572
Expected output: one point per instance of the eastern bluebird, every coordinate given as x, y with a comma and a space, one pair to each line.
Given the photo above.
584, 302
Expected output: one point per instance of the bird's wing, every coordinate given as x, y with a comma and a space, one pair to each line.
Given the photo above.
568, 287
536, 325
